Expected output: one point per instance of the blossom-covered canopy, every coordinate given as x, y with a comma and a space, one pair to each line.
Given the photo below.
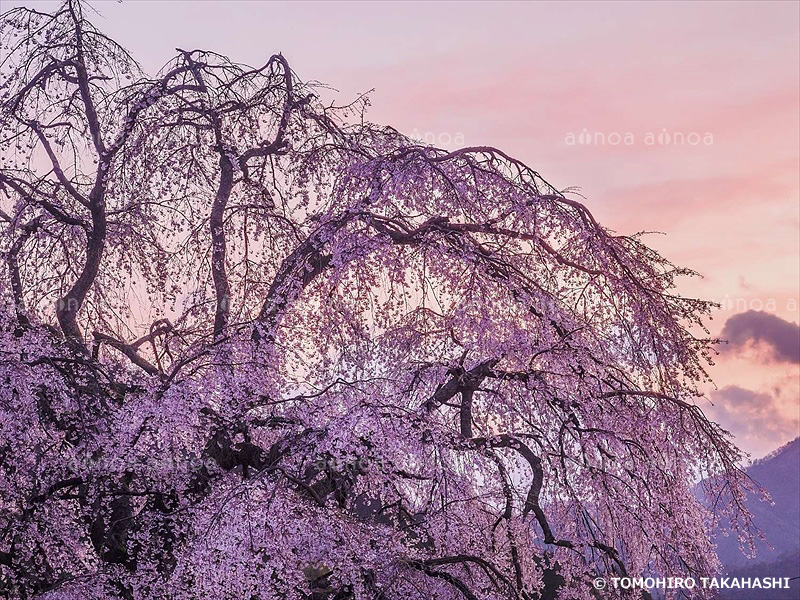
255, 347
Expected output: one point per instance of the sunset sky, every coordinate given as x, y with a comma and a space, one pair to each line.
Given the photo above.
536, 80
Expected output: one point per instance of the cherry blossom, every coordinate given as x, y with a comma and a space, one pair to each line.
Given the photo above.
255, 346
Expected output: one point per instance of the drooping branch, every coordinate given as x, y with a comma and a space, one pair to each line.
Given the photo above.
456, 582
459, 381
39, 199
13, 266
62, 178
129, 350
68, 305
75, 10
296, 271
218, 246
278, 144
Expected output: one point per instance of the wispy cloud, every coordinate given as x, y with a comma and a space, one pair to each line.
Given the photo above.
756, 418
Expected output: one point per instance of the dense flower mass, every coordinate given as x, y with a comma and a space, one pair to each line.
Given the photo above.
255, 347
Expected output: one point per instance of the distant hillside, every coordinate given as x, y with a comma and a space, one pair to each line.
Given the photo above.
788, 564
779, 474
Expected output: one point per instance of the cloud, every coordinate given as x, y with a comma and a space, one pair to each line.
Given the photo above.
781, 338
751, 416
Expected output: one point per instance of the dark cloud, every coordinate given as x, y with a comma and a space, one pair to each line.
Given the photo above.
781, 338
749, 414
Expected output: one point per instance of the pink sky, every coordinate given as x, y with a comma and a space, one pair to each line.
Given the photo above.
522, 77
